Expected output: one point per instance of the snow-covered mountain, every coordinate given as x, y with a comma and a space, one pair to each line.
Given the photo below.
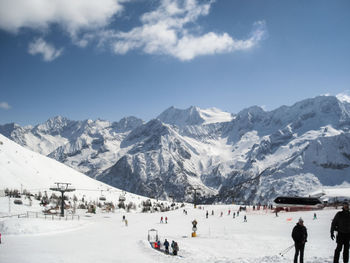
24, 169
87, 146
250, 156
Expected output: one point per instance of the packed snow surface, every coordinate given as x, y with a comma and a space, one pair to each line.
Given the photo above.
105, 238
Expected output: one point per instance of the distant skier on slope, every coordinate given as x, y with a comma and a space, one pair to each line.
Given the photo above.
299, 235
341, 224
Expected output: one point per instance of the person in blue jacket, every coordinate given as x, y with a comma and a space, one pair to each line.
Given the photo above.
166, 245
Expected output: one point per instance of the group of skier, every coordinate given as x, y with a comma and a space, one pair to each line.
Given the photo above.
221, 214
166, 220
174, 246
340, 224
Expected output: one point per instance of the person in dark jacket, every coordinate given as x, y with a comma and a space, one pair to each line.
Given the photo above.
175, 247
299, 236
166, 245
341, 224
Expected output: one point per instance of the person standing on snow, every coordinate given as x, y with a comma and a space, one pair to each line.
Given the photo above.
206, 214
341, 224
161, 219
166, 245
175, 247
299, 235
166, 220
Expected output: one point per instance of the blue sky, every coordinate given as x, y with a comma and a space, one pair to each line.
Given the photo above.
110, 58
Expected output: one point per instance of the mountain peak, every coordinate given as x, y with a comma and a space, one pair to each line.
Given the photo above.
193, 116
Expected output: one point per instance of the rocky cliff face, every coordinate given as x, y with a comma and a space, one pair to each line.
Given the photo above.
251, 156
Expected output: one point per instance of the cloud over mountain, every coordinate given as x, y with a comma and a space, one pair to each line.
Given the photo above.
171, 28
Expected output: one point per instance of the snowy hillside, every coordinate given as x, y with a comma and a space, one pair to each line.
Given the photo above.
24, 169
251, 156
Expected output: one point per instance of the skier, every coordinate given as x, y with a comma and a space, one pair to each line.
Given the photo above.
158, 244
166, 245
245, 218
315, 216
212, 212
341, 224
234, 214
221, 214
299, 235
206, 214
0, 238
166, 220
175, 247
123, 217
237, 213
229, 212
161, 219
126, 222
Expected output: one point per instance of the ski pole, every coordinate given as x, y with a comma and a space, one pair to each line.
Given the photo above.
285, 251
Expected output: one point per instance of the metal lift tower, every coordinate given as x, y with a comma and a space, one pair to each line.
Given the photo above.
62, 187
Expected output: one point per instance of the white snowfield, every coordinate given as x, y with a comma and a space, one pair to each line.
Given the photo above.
105, 238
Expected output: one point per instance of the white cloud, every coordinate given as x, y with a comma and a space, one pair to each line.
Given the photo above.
167, 31
170, 29
4, 105
72, 15
48, 51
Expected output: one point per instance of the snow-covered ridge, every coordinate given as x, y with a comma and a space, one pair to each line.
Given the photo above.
253, 155
194, 116
21, 168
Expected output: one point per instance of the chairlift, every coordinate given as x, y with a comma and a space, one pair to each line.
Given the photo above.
153, 238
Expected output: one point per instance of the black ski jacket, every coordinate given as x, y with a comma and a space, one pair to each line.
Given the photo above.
299, 234
341, 222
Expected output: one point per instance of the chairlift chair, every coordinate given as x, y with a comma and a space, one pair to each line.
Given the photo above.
152, 237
